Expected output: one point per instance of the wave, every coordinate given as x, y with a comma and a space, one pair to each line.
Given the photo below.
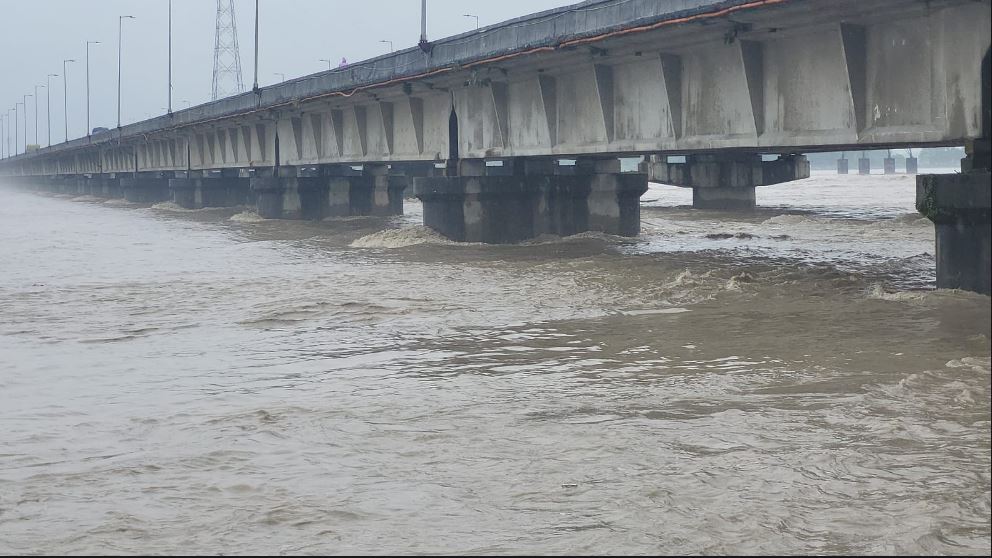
247, 217
401, 238
118, 202
173, 207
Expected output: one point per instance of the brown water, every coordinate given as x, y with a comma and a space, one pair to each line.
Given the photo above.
206, 382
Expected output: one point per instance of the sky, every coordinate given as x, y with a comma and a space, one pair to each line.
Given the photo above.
37, 35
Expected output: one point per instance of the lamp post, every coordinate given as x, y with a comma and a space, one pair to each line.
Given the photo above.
88, 43
17, 129
423, 22
169, 110
48, 88
476, 19
120, 36
390, 44
3, 149
25, 103
328, 63
255, 87
36, 113
65, 96
9, 154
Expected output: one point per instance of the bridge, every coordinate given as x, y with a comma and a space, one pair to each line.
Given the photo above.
481, 123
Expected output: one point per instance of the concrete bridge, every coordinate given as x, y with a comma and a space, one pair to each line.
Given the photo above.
480, 122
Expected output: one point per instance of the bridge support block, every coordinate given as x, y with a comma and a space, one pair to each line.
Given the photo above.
842, 166
104, 186
201, 189
959, 206
889, 165
146, 188
404, 173
506, 209
912, 165
333, 191
728, 180
864, 165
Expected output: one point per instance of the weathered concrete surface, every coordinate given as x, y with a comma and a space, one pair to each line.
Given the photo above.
330, 192
912, 165
198, 192
507, 209
146, 188
959, 206
601, 77
727, 180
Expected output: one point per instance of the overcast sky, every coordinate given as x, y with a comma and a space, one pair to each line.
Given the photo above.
37, 35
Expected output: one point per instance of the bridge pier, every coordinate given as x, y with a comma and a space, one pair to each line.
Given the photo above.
959, 206
842, 166
200, 189
107, 185
728, 180
912, 165
889, 165
864, 165
332, 191
533, 200
146, 187
404, 173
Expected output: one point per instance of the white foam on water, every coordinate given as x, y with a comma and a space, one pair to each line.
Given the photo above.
118, 202
247, 217
655, 311
401, 238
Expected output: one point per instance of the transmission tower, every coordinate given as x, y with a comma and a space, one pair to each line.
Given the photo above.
227, 57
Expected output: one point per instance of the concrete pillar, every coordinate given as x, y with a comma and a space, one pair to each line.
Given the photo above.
404, 173
889, 164
151, 187
387, 191
842, 166
104, 185
508, 208
864, 165
330, 191
200, 189
727, 180
959, 206
912, 165
276, 193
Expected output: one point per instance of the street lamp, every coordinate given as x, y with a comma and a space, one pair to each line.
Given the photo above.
390, 44
120, 36
48, 82
169, 109
17, 129
255, 87
476, 19
36, 112
281, 75
25, 103
9, 154
328, 63
3, 149
65, 95
88, 43
423, 24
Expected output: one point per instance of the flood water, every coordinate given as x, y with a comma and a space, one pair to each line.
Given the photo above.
780, 381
